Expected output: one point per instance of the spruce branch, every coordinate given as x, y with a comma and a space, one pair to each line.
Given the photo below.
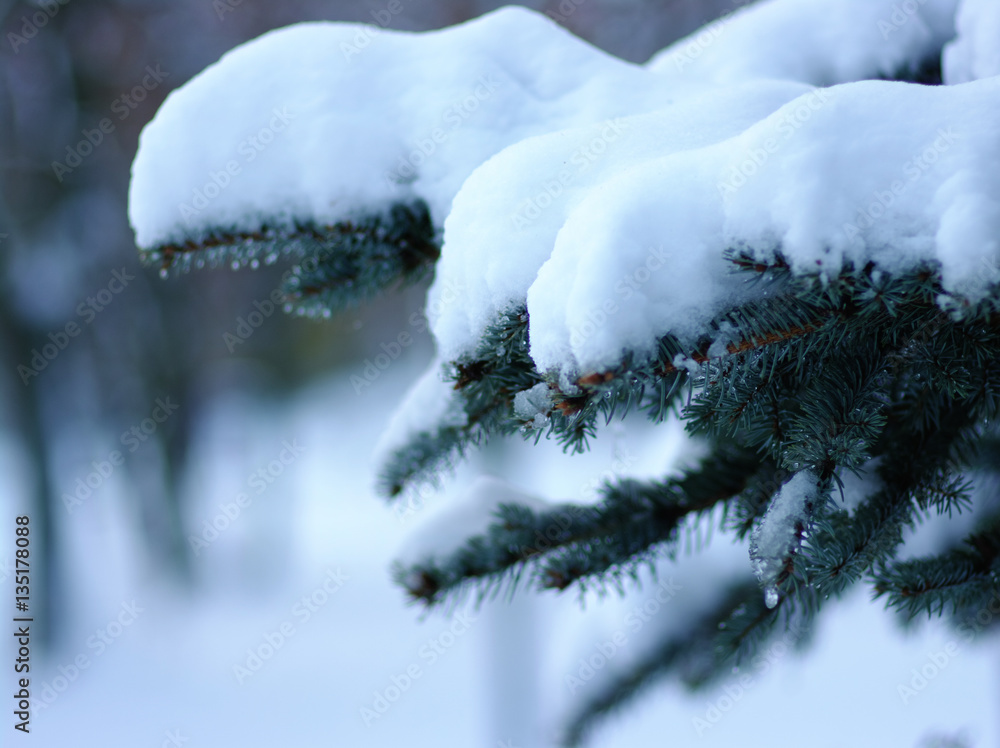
961, 579
845, 547
339, 265
574, 543
732, 634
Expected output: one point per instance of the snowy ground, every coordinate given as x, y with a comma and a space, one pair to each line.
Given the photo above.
494, 677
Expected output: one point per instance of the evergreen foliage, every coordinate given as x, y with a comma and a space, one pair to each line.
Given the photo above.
860, 375
337, 266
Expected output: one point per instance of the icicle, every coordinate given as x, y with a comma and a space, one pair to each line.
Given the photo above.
770, 596
777, 536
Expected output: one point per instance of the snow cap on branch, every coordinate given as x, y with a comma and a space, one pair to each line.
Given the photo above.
822, 42
892, 173
327, 122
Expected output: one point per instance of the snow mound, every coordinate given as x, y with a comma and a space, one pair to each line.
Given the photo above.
324, 122
899, 174
505, 220
822, 42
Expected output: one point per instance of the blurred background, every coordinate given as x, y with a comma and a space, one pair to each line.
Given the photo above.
166, 613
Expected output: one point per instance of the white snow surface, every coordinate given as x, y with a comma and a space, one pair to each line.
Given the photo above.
821, 42
430, 404
509, 214
894, 173
599, 193
328, 121
975, 54
534, 405
776, 534
470, 515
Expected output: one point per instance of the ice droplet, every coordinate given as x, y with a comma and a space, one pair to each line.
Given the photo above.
770, 596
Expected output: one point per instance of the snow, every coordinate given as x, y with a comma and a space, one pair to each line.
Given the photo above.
430, 404
779, 531
470, 515
598, 192
330, 121
508, 215
720, 140
894, 173
821, 42
534, 405
172, 670
975, 53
